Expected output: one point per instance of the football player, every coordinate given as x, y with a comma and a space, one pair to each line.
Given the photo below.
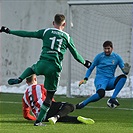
106, 64
55, 44
33, 98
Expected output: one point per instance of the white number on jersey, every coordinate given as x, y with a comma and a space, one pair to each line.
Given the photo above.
54, 40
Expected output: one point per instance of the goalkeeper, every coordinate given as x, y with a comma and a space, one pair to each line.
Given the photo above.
33, 98
106, 64
55, 44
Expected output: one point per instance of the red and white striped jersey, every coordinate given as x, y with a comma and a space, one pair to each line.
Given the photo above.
34, 97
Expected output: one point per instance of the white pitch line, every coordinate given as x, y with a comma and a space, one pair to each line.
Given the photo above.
129, 109
10, 102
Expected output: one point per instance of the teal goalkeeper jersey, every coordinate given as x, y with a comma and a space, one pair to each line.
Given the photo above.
55, 44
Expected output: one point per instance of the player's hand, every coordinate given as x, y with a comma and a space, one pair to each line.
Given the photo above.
87, 63
126, 68
4, 29
83, 81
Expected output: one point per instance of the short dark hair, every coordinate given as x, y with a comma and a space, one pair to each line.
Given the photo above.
108, 43
59, 18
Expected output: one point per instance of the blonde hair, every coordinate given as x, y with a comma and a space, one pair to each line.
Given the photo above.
30, 78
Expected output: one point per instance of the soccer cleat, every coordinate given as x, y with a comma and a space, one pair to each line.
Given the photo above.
113, 103
39, 124
52, 120
85, 120
79, 105
14, 81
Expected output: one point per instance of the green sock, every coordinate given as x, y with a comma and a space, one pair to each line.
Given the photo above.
43, 112
27, 73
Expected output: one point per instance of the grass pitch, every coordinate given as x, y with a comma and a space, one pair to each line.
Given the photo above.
106, 120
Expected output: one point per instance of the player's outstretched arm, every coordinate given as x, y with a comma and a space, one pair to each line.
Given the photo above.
26, 112
22, 33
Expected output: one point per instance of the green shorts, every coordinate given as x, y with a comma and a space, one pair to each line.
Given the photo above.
50, 71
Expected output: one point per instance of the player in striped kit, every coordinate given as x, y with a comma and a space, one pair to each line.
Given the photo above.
33, 98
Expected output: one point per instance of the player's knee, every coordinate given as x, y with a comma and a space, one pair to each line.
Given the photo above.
101, 93
120, 77
69, 107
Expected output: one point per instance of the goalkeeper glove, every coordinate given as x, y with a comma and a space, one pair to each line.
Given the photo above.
87, 63
83, 81
4, 29
126, 68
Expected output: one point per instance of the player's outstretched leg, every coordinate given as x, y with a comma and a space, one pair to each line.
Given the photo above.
85, 120
97, 96
28, 72
14, 81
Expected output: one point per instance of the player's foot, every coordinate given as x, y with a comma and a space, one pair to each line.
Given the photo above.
39, 124
79, 105
14, 81
52, 120
113, 101
85, 120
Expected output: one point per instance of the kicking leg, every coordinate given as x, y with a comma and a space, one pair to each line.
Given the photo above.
45, 107
64, 109
99, 94
25, 74
77, 120
70, 119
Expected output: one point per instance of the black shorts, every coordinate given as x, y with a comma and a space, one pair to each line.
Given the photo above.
54, 109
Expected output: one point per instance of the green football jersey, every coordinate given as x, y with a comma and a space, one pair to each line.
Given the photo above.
55, 44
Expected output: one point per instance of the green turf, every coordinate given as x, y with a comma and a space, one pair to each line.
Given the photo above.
107, 120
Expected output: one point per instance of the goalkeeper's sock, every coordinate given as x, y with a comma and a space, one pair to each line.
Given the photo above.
43, 112
93, 98
118, 87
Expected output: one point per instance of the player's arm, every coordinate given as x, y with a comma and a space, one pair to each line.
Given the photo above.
89, 71
31, 34
76, 55
26, 112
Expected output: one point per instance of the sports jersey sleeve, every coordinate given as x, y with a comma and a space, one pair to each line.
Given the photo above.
74, 52
26, 112
121, 63
90, 69
31, 34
